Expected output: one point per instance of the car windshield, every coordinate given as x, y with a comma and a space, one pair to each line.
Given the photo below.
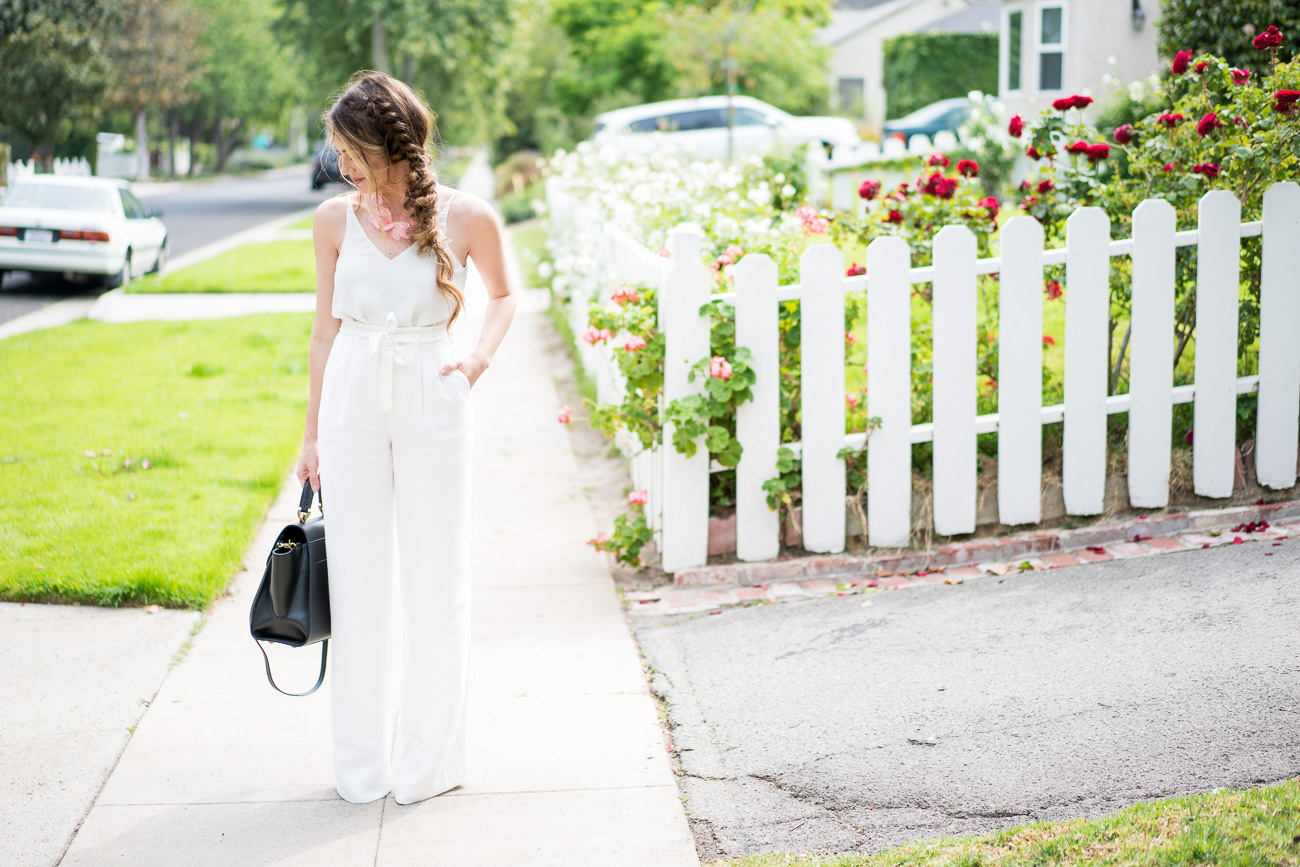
61, 197
930, 113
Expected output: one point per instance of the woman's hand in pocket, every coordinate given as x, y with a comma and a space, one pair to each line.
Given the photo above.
472, 366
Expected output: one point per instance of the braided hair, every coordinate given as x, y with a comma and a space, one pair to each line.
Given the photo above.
381, 116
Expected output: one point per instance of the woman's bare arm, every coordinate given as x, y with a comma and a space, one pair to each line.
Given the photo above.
327, 236
481, 227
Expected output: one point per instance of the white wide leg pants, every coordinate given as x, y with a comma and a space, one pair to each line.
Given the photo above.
396, 452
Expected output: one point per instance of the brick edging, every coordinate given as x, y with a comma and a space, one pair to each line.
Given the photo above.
982, 550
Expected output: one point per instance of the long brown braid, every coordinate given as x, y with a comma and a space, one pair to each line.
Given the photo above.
379, 115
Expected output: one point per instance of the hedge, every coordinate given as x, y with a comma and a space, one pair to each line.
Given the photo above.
921, 68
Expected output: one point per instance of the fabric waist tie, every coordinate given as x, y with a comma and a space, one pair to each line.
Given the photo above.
389, 339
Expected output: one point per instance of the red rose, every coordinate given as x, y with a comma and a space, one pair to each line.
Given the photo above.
1240, 76
1170, 120
1208, 124
1079, 147
1210, 170
1045, 186
1028, 203
938, 160
1169, 167
1024, 185
1124, 134
1286, 97
894, 217
968, 168
1016, 127
1270, 38
1097, 152
869, 189
1181, 59
1202, 67
1032, 153
855, 270
990, 204
1082, 101
1052, 290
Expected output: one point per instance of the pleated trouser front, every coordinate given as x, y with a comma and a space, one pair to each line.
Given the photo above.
396, 451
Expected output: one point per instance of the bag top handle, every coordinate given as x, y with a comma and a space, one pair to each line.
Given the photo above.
304, 502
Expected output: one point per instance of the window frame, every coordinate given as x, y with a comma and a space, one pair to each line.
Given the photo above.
1004, 51
1041, 48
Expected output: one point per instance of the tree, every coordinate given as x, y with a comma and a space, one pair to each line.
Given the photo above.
1225, 29
919, 68
53, 76
17, 16
153, 47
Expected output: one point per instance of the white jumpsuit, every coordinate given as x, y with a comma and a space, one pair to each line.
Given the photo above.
395, 446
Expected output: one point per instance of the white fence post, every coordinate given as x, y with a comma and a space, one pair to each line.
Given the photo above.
686, 340
1087, 315
1151, 365
954, 379
758, 422
1020, 372
889, 393
1276, 427
821, 385
1218, 266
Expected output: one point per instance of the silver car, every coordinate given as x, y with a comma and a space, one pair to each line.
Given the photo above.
78, 226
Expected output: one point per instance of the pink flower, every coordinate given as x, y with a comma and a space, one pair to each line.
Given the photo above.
938, 160
1270, 38
850, 398
665, 252
868, 189
623, 294
850, 337
381, 217
1208, 124
639, 498
734, 252
634, 343
1052, 290
1017, 127
724, 259
563, 415
1124, 134
1181, 61
596, 335
813, 223
855, 270
719, 367
968, 168
1240, 76
1048, 340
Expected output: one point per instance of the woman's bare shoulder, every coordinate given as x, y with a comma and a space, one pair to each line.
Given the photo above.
329, 220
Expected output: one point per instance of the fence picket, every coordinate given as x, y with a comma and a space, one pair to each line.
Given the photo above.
954, 380
1151, 360
821, 385
1215, 410
1087, 313
1020, 372
685, 519
889, 393
1276, 423
758, 422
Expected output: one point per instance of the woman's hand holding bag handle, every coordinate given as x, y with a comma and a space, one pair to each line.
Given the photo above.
292, 604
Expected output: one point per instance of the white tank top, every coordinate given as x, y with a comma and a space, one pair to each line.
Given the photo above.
368, 285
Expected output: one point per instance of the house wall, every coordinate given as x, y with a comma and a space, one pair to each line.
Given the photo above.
1097, 32
862, 55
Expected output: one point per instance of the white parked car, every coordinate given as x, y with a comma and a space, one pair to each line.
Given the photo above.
77, 226
698, 127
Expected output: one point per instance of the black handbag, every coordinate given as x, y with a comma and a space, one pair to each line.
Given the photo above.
292, 604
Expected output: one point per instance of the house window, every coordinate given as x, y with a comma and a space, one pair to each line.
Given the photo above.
853, 96
1050, 47
1012, 44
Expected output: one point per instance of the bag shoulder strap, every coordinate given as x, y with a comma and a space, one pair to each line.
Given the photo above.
319, 680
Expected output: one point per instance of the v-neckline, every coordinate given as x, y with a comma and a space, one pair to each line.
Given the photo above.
372, 244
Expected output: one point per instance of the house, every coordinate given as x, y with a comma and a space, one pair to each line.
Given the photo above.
857, 33
1054, 48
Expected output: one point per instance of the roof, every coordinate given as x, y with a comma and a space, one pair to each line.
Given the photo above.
651, 109
980, 17
846, 23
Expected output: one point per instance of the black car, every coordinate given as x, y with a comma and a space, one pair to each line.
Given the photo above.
325, 166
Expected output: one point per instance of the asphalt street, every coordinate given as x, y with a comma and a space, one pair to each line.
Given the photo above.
196, 214
859, 722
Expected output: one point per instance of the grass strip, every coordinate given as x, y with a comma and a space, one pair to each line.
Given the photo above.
1246, 827
215, 406
272, 266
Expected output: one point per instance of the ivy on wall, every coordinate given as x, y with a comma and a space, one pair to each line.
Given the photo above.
921, 68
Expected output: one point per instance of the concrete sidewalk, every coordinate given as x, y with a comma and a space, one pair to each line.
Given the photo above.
567, 760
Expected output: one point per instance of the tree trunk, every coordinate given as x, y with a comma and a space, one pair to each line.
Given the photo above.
379, 45
141, 147
171, 146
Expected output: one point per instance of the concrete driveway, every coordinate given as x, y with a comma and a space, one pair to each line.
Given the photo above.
855, 723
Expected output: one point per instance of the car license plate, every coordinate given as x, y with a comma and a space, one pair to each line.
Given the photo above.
45, 235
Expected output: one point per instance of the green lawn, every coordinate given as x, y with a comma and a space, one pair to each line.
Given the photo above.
216, 407
274, 266
1255, 826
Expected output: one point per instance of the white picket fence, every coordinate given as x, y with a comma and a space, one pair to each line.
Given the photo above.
679, 486
61, 166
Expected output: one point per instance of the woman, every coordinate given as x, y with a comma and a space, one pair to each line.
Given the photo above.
389, 426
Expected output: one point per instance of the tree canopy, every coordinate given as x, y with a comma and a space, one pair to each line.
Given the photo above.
1226, 29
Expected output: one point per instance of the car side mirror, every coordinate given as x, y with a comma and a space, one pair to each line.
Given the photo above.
153, 212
